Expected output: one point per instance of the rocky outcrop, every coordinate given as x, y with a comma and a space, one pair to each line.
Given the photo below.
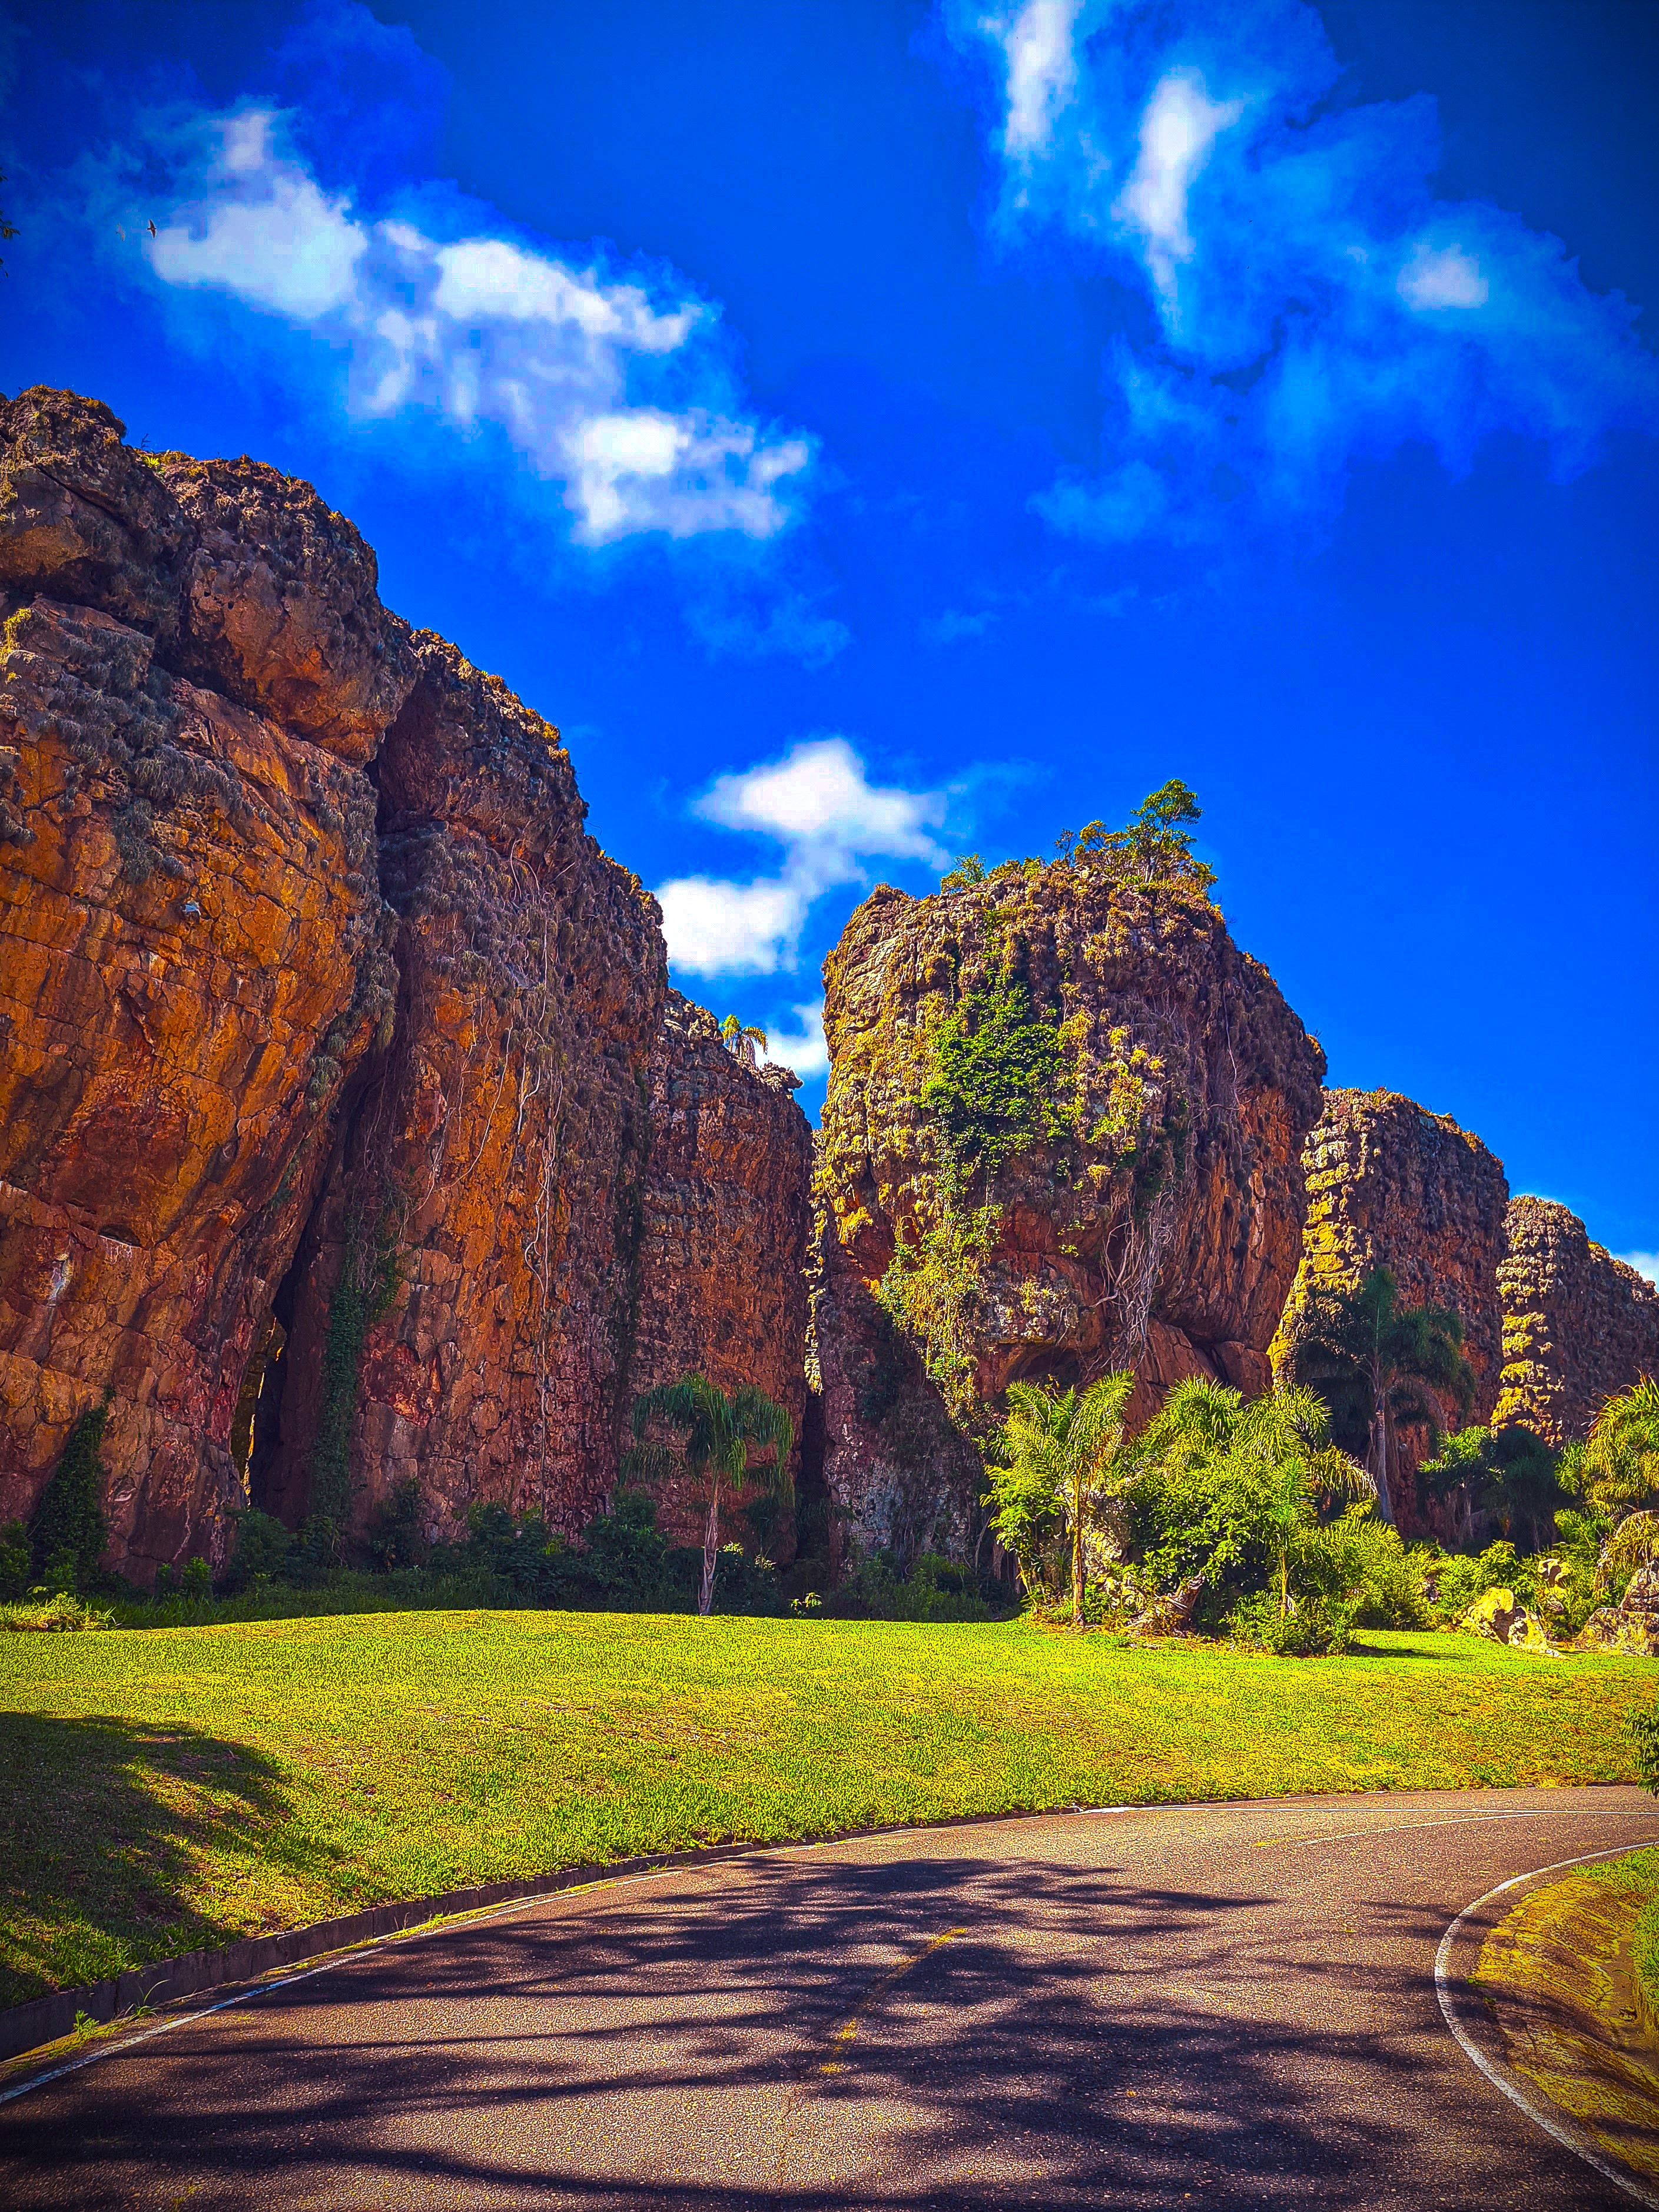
1392, 1185
331, 1038
1578, 1326
725, 1216
1063, 1133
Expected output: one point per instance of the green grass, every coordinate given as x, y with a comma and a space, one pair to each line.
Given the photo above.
1636, 1876
164, 1788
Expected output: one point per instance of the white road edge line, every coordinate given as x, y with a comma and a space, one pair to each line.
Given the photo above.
346, 1958
1464, 1821
1553, 2121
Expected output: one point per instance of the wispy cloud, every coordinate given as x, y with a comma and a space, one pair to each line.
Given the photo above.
819, 804
801, 1047
1645, 1263
1312, 300
613, 382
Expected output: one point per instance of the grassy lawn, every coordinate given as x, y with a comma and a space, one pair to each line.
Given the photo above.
169, 1788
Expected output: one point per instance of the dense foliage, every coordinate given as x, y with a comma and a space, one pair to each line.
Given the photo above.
1376, 1364
1059, 1454
67, 1532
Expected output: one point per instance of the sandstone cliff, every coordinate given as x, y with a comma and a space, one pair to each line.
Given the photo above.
1391, 1185
331, 1038
1151, 1214
722, 1280
1579, 1326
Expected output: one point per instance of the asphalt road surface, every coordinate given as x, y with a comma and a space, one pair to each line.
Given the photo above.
1215, 2005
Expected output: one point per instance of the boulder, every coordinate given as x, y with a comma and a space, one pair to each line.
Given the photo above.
1493, 1615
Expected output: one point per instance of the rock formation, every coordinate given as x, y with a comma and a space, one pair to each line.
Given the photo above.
1392, 1185
723, 1247
1578, 1325
331, 1041
1063, 1132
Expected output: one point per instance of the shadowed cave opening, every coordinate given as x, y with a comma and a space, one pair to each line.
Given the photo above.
256, 1434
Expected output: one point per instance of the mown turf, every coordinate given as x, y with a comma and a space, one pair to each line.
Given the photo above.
164, 1788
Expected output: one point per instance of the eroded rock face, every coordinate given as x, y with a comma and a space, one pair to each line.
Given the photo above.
496, 1152
192, 958
722, 1281
1160, 1228
1578, 1325
330, 1039
1391, 1185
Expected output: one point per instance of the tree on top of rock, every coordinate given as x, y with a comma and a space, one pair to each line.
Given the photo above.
1155, 848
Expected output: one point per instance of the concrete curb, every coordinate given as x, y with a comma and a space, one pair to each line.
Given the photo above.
25, 2027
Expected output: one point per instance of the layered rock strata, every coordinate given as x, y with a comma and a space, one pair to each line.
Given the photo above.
331, 1038
1578, 1325
1154, 1220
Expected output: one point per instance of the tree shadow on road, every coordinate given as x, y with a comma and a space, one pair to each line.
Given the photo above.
1028, 2033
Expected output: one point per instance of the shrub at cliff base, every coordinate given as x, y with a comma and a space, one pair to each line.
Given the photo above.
169, 1789
67, 1532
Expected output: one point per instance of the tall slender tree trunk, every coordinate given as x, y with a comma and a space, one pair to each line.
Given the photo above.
711, 1547
1076, 1553
1377, 1453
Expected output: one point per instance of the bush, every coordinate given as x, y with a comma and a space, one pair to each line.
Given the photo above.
1458, 1580
16, 1562
1644, 1734
627, 1553
264, 1553
67, 1533
1359, 1561
936, 1588
1316, 1627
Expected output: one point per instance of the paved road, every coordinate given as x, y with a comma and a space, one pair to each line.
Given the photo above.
1224, 2006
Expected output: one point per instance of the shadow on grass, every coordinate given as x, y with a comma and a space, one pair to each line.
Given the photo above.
102, 1823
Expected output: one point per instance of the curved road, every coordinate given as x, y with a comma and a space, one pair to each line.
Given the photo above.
1221, 2005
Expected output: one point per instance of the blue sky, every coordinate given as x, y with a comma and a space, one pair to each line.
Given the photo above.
876, 431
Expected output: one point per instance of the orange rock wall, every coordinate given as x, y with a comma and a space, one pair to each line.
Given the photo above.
307, 957
1164, 1236
723, 1249
1579, 1326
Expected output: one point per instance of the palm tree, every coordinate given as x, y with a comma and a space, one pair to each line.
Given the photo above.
1621, 1453
742, 1038
1274, 1450
717, 1433
1062, 1450
1388, 1359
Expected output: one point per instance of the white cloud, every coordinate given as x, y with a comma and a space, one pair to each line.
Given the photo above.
802, 1048
1041, 70
1442, 277
820, 806
1179, 127
285, 245
819, 797
620, 396
721, 928
954, 625
1645, 1263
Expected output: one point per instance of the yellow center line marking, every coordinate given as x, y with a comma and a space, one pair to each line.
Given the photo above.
850, 2026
